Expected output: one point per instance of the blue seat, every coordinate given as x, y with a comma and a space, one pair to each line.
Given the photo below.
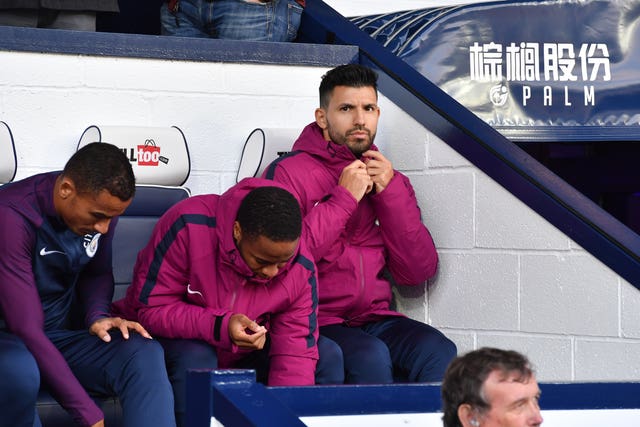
134, 226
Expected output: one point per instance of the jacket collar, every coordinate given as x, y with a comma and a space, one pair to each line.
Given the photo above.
332, 155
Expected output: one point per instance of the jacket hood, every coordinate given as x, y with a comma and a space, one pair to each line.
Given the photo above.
226, 213
334, 156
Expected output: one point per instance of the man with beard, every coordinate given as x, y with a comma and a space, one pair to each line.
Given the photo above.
365, 229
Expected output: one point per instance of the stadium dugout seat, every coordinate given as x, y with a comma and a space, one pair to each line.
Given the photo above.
161, 163
8, 159
262, 146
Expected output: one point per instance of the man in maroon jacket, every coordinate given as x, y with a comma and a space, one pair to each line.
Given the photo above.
364, 223
226, 281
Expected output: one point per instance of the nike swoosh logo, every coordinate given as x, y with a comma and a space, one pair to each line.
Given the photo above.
45, 252
192, 292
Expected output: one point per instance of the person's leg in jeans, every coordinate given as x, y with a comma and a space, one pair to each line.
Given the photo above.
19, 384
187, 20
366, 358
276, 20
133, 369
419, 352
288, 15
180, 356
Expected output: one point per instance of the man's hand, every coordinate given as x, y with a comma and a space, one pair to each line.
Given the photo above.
101, 328
355, 179
246, 333
99, 424
379, 169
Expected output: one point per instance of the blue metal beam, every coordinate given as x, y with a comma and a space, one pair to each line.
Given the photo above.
235, 399
172, 48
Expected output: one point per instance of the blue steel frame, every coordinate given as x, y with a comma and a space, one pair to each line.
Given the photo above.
235, 399
173, 48
567, 209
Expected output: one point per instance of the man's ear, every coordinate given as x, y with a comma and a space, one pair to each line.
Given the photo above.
237, 232
67, 188
467, 416
321, 118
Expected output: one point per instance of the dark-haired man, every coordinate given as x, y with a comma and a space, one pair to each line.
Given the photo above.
227, 282
490, 387
56, 286
364, 222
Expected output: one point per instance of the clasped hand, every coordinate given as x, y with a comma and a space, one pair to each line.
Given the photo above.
246, 333
374, 170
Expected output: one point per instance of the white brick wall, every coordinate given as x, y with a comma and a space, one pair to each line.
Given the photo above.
507, 277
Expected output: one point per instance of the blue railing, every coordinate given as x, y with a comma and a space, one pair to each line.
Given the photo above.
234, 399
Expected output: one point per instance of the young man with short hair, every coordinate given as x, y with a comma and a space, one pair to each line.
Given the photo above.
56, 285
226, 281
364, 224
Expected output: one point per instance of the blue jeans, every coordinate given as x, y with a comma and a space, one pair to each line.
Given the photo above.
394, 349
19, 383
275, 21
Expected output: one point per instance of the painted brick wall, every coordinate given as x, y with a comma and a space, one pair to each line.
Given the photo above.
507, 278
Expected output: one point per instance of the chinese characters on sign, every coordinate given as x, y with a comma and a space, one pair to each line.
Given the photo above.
536, 62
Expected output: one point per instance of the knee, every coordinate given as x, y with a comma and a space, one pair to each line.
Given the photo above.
373, 353
441, 347
20, 375
330, 351
330, 368
369, 363
449, 349
141, 354
436, 356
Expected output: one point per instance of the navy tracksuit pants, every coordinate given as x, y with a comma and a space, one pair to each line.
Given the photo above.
19, 383
393, 349
133, 370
